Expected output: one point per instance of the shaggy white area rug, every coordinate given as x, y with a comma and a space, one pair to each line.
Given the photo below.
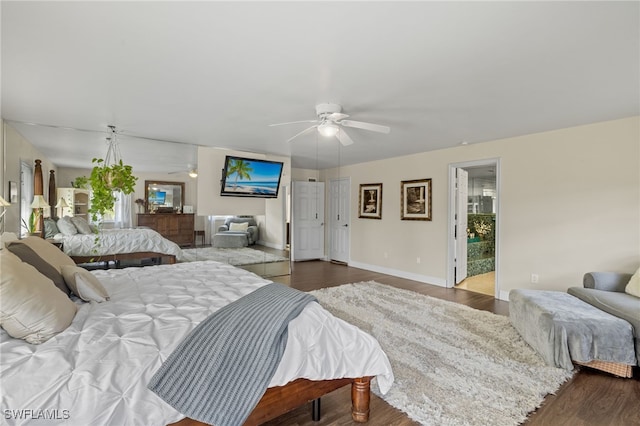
453, 365
232, 256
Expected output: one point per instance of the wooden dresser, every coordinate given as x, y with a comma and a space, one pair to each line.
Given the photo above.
175, 227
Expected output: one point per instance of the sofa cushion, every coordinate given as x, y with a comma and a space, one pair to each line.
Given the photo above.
238, 226
633, 286
621, 305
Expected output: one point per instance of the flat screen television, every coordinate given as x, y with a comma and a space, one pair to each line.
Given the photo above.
249, 177
158, 197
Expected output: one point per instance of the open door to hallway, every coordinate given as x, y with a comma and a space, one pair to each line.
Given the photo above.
474, 193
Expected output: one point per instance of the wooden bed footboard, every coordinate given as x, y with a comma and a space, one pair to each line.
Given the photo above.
279, 400
168, 258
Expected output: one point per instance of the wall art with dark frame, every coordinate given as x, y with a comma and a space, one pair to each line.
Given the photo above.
415, 199
370, 201
13, 192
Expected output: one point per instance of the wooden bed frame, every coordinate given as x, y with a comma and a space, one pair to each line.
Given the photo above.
38, 189
279, 400
168, 258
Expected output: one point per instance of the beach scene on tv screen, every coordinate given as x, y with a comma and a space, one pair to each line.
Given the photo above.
246, 177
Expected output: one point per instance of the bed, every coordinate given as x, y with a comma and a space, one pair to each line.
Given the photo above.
119, 244
96, 370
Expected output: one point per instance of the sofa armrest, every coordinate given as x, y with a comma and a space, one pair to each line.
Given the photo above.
607, 281
223, 228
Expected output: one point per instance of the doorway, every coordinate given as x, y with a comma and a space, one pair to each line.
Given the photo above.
339, 214
474, 213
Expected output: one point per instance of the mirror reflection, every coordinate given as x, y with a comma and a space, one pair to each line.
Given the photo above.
164, 197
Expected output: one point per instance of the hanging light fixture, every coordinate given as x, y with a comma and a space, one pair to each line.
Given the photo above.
193, 173
328, 129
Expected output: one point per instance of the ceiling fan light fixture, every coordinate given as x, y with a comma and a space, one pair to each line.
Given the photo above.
328, 129
193, 173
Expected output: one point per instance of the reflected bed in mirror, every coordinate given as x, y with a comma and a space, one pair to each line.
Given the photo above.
163, 197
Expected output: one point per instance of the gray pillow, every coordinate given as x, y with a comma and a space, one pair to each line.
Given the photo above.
81, 225
50, 228
66, 226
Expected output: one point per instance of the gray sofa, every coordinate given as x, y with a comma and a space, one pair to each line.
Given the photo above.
252, 231
605, 291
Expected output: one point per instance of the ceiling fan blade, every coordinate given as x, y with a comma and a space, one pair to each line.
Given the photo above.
293, 122
337, 116
366, 126
344, 138
305, 131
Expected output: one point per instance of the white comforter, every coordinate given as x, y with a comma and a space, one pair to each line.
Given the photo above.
118, 241
96, 371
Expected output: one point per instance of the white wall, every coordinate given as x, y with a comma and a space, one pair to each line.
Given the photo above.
570, 203
16, 150
210, 203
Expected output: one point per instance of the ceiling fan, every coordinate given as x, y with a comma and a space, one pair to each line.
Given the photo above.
191, 170
330, 123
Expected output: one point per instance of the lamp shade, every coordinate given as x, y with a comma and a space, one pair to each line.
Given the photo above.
4, 203
61, 203
39, 202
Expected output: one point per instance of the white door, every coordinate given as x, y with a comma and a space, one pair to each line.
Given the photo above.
339, 214
462, 193
308, 220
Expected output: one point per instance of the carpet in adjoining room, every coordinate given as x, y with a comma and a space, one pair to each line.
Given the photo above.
232, 256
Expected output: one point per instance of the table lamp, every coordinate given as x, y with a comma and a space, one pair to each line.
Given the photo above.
62, 204
39, 203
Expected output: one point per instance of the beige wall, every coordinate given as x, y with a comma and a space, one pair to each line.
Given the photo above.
16, 150
569, 203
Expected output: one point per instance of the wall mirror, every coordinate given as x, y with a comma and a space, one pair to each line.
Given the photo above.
163, 197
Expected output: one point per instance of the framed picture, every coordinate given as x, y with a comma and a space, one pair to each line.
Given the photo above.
13, 192
370, 204
415, 199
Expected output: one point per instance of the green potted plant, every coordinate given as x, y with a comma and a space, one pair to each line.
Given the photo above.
31, 225
81, 182
104, 181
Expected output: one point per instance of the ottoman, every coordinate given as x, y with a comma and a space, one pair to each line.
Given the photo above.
230, 240
562, 328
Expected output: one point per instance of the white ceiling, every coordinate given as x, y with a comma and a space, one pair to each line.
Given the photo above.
217, 73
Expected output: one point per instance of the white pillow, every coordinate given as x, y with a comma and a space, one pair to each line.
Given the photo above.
633, 287
66, 226
81, 225
242, 226
32, 308
84, 284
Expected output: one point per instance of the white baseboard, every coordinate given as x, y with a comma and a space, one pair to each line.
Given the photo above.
504, 295
270, 245
440, 282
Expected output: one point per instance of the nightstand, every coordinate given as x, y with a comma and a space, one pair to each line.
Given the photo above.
57, 243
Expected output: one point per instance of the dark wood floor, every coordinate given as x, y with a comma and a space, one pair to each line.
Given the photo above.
590, 398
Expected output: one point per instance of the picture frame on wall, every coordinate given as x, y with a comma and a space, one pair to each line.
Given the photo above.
415, 199
13, 192
370, 201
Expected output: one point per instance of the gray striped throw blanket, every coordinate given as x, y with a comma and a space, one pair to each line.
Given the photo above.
219, 372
